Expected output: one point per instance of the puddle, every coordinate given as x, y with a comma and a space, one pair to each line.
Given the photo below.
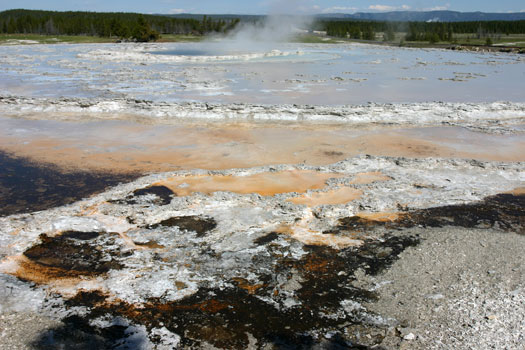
26, 186
265, 184
338, 196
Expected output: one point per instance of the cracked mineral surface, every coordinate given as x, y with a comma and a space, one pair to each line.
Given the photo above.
213, 216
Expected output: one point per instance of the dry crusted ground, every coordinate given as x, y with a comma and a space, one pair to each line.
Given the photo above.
153, 265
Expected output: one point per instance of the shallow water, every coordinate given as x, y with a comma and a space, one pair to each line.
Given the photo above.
127, 146
296, 73
26, 186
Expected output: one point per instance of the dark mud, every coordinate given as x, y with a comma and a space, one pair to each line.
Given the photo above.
77, 333
272, 236
200, 225
26, 186
227, 318
76, 253
503, 211
162, 196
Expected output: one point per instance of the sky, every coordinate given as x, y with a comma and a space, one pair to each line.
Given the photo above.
265, 6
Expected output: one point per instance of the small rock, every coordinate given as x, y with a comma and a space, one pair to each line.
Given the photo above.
404, 331
492, 317
435, 296
409, 336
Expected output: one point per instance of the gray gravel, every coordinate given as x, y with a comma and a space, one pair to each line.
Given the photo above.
19, 330
459, 289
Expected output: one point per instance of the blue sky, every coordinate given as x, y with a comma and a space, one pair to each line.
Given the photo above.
265, 6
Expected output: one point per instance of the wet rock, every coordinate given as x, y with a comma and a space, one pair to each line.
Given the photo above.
162, 192
502, 211
267, 238
157, 195
285, 303
200, 225
76, 253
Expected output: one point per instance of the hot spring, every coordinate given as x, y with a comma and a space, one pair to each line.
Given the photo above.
276, 73
229, 51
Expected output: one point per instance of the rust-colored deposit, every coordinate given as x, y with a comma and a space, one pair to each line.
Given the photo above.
519, 191
58, 278
247, 286
128, 147
66, 260
379, 216
265, 184
340, 195
369, 177
307, 236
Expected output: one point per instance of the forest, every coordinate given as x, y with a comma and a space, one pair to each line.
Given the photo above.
420, 31
138, 27
121, 25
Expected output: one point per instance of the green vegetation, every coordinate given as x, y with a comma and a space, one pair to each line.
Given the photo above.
313, 39
126, 26
50, 39
364, 30
169, 38
93, 27
480, 33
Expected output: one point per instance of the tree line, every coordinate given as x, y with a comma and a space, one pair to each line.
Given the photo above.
419, 31
122, 25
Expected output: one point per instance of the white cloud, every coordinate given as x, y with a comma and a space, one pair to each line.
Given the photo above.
177, 11
438, 8
339, 9
383, 8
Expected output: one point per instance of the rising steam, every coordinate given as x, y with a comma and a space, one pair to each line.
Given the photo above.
286, 19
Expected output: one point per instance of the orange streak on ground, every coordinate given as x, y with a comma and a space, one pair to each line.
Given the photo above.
56, 278
122, 146
340, 195
381, 216
244, 284
368, 178
310, 237
518, 191
265, 184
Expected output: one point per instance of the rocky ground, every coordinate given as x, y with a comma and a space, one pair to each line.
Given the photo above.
458, 289
497, 117
424, 255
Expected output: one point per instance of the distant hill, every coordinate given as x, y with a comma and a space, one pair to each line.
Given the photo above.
426, 16
395, 16
243, 18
